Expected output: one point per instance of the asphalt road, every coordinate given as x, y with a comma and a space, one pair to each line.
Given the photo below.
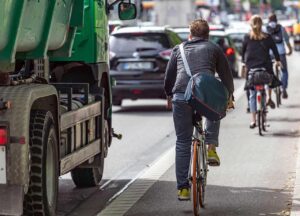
256, 176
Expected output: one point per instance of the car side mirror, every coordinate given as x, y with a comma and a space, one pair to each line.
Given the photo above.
127, 11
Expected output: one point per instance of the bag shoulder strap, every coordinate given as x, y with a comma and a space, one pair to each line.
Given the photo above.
185, 63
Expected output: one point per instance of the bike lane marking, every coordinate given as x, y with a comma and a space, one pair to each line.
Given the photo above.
296, 194
128, 196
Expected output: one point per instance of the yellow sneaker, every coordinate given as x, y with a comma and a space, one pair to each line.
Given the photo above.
184, 194
213, 158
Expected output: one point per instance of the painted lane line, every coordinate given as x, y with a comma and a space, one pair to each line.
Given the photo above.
139, 186
239, 93
296, 195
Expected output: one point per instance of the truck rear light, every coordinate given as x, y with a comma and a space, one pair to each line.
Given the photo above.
3, 135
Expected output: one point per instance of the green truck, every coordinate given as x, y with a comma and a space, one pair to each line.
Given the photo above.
55, 98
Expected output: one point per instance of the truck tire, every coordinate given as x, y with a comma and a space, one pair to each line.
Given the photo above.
90, 177
41, 198
87, 177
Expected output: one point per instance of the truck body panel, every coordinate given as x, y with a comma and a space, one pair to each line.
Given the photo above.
32, 27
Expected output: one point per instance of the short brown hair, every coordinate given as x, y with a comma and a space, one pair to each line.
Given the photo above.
272, 17
199, 28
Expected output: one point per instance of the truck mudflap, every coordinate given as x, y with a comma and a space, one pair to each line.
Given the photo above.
11, 199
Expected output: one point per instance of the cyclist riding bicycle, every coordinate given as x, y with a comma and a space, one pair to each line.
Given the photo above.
281, 38
202, 56
255, 54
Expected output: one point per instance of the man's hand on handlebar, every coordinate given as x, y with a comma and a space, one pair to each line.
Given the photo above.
278, 64
169, 102
230, 104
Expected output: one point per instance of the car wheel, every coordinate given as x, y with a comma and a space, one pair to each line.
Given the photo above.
117, 102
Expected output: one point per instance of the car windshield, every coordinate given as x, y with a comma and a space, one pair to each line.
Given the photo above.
237, 37
133, 42
220, 40
184, 36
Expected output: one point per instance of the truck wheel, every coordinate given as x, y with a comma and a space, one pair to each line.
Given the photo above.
41, 198
90, 177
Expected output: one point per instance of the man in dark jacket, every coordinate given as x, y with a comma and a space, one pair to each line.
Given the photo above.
203, 56
281, 38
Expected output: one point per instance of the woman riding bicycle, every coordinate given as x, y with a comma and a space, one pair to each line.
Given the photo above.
255, 54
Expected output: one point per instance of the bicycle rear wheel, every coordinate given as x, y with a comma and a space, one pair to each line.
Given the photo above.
278, 96
197, 183
264, 120
260, 122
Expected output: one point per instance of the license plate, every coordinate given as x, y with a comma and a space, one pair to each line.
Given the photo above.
137, 66
2, 165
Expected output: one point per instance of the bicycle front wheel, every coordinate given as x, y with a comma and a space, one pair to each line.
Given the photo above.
278, 96
197, 183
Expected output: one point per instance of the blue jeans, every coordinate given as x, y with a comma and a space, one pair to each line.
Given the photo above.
183, 121
284, 70
252, 101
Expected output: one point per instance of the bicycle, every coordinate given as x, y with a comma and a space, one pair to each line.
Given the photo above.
198, 165
278, 89
261, 108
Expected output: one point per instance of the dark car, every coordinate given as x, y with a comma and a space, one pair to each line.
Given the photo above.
138, 60
227, 45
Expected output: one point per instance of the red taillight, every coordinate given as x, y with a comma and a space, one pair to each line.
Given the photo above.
229, 51
136, 91
259, 98
166, 54
3, 136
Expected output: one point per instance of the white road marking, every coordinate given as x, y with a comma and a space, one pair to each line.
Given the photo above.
239, 92
296, 195
134, 190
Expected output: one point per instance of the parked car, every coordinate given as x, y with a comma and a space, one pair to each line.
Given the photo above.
138, 60
224, 41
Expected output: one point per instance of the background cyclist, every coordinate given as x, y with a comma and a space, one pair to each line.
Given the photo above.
255, 54
281, 38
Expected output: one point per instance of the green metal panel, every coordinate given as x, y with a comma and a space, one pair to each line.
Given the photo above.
29, 28
10, 17
90, 44
69, 30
